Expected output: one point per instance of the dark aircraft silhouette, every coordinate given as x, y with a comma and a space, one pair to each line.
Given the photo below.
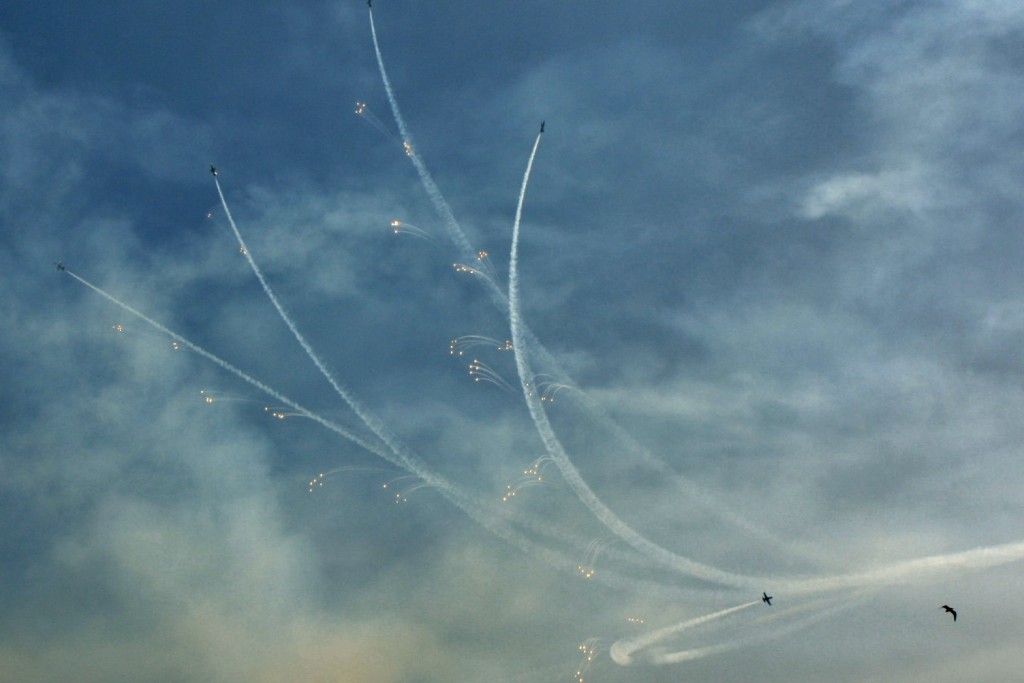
60, 265
766, 598
213, 170
369, 3
541, 126
950, 610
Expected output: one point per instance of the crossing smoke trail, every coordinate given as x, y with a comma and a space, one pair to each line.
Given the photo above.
980, 558
502, 523
499, 525
399, 453
522, 338
371, 421
391, 449
467, 252
359, 441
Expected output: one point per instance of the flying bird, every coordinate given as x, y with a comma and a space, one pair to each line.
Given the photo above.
950, 610
768, 598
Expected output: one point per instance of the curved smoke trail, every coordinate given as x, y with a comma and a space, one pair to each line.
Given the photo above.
622, 651
467, 251
894, 573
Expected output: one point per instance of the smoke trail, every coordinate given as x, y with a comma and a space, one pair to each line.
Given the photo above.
761, 637
305, 412
918, 568
501, 524
570, 473
375, 425
402, 455
895, 573
622, 651
440, 205
554, 447
461, 500
467, 252
405, 457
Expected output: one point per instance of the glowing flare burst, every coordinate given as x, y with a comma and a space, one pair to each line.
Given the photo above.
532, 476
589, 649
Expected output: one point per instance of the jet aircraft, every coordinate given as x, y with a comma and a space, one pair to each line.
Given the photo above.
541, 126
60, 265
213, 170
950, 610
766, 598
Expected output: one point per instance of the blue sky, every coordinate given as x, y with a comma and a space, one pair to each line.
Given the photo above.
769, 253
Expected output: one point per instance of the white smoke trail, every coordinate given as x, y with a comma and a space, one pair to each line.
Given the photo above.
572, 476
622, 651
502, 524
404, 455
895, 573
305, 412
440, 204
818, 613
467, 252
932, 566
371, 421
554, 447
496, 524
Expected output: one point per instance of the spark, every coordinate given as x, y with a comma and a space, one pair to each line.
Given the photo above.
459, 345
224, 397
364, 112
531, 476
317, 482
401, 228
589, 649
481, 372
